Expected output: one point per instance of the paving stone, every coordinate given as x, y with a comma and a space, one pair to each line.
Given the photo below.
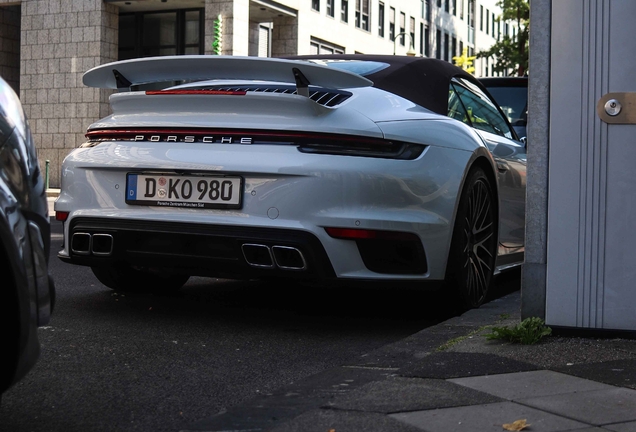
444, 365
521, 385
409, 394
486, 418
326, 419
599, 407
618, 372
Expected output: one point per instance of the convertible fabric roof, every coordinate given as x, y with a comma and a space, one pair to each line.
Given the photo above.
421, 80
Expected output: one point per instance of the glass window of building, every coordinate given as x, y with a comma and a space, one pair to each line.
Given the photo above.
315, 5
392, 24
402, 27
427, 45
319, 46
481, 17
362, 14
381, 19
438, 44
344, 10
330, 11
159, 33
412, 32
487, 21
471, 13
446, 46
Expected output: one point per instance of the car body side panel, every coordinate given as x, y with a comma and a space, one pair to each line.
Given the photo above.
308, 192
14, 234
510, 157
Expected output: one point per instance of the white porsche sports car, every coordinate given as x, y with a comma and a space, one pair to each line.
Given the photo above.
325, 168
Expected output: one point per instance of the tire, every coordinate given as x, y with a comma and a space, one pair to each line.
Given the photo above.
125, 278
471, 260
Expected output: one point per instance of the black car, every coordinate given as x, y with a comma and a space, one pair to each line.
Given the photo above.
511, 93
27, 289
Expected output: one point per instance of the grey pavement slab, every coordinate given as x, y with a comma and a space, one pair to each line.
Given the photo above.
621, 427
486, 418
599, 407
409, 394
325, 420
267, 411
617, 372
444, 365
522, 385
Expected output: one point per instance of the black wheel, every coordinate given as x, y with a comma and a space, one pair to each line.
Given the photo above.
471, 260
126, 278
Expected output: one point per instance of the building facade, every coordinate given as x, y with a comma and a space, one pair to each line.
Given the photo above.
46, 45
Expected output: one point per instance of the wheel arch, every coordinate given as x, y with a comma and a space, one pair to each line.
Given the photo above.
481, 158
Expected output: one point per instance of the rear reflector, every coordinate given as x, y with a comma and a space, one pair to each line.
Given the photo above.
359, 234
61, 216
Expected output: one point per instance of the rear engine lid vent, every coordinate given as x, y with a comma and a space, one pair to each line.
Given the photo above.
322, 96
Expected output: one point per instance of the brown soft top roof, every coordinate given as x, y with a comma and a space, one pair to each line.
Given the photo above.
421, 80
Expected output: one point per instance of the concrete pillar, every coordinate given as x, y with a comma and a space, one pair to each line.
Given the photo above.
236, 26
60, 41
285, 37
533, 287
253, 38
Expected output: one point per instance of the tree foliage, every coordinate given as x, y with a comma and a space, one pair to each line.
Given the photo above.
512, 52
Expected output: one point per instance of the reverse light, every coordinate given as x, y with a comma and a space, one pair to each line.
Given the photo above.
61, 216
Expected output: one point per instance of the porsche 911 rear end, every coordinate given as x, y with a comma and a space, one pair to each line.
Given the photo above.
318, 178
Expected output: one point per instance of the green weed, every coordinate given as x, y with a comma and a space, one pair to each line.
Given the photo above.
528, 332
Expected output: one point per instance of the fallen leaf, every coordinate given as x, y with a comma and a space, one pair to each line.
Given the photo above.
517, 425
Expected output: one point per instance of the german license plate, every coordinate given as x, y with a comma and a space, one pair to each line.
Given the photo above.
189, 191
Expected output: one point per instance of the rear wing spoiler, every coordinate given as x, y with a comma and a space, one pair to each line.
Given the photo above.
126, 73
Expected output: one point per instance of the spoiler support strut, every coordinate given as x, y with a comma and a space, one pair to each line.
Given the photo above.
302, 83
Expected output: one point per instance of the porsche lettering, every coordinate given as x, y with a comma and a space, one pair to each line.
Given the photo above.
193, 138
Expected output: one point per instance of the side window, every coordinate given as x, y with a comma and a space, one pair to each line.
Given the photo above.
482, 112
455, 108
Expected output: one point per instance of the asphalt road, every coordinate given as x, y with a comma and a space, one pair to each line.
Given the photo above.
113, 362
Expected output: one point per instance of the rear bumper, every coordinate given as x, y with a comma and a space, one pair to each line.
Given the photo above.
198, 249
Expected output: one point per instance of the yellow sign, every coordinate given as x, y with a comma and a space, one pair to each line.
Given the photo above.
464, 61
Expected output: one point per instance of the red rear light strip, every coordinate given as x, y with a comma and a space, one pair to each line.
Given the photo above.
195, 92
121, 134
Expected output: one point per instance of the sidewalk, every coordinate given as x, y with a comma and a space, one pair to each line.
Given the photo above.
449, 377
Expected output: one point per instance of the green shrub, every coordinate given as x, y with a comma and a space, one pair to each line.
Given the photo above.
528, 332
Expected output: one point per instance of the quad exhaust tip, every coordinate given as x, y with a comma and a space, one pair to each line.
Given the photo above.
289, 258
97, 244
102, 244
283, 257
257, 255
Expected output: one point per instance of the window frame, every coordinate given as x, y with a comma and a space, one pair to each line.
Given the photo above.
478, 95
